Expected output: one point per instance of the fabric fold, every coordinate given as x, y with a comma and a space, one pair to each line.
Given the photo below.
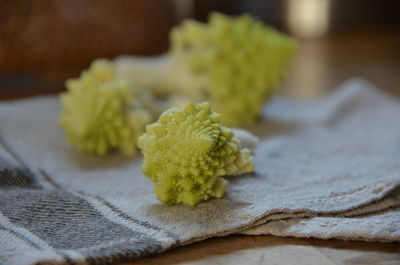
327, 169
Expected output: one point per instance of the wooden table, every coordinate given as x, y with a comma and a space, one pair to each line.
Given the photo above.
320, 65
249, 250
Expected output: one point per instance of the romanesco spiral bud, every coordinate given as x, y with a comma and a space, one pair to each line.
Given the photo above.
186, 153
97, 115
243, 59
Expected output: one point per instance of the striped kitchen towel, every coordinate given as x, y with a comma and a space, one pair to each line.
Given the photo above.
327, 169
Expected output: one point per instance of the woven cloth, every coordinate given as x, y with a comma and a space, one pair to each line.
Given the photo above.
326, 169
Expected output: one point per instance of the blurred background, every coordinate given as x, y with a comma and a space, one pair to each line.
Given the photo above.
44, 42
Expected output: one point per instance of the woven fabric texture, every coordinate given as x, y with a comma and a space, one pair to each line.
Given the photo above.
326, 169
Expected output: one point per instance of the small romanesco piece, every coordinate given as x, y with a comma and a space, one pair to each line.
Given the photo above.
186, 153
235, 63
98, 113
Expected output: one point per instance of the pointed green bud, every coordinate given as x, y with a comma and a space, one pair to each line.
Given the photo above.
187, 163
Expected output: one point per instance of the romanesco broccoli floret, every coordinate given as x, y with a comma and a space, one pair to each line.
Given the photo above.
234, 63
97, 113
188, 151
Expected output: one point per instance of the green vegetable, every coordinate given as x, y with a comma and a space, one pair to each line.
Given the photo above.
186, 153
234, 63
99, 112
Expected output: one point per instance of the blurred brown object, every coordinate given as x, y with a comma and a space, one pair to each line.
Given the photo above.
44, 42
320, 65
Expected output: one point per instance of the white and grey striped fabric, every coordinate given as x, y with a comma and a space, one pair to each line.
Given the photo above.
328, 169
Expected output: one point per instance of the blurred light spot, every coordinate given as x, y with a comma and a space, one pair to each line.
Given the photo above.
308, 18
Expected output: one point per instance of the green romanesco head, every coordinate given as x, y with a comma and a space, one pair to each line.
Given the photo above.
243, 59
186, 153
97, 114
